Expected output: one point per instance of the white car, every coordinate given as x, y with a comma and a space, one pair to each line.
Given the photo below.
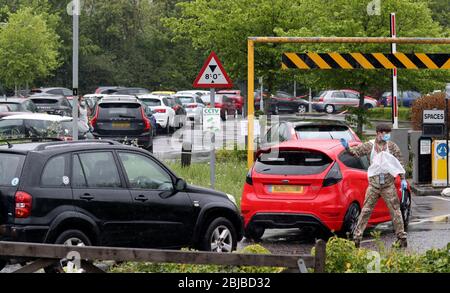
164, 114
193, 105
193, 92
41, 125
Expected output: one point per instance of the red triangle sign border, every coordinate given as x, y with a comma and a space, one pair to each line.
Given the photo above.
229, 83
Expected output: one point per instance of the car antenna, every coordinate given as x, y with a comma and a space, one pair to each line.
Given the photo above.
10, 146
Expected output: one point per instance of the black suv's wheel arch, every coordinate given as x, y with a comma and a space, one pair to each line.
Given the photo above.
73, 221
208, 215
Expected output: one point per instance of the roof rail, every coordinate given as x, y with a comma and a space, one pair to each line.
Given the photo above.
79, 142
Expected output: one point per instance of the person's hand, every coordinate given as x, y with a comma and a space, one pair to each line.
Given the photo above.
404, 184
344, 143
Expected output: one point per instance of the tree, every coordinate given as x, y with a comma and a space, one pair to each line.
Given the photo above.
225, 25
28, 48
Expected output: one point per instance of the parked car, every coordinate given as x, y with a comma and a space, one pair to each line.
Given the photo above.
226, 105
52, 104
332, 101
284, 102
4, 108
57, 91
193, 105
236, 96
19, 104
310, 184
405, 98
130, 91
180, 111
107, 90
102, 193
164, 113
195, 92
163, 93
32, 125
311, 129
123, 118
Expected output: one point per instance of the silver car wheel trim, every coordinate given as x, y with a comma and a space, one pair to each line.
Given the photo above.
221, 240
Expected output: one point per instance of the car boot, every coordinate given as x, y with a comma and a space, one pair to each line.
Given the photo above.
401, 243
357, 243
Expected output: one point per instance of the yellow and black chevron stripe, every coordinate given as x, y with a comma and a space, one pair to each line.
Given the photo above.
365, 61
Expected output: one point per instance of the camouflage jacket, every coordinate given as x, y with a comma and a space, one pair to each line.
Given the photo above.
365, 149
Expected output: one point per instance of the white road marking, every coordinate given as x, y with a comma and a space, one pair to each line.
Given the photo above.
439, 197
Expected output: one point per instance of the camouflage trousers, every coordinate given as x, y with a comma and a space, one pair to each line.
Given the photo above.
390, 197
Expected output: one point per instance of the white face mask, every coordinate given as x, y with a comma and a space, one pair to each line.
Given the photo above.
83, 104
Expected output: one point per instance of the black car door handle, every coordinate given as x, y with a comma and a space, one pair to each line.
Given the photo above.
87, 196
141, 198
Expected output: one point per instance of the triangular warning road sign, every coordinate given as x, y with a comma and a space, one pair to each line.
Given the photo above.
213, 75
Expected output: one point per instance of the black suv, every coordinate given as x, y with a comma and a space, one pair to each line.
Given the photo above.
123, 118
104, 193
50, 104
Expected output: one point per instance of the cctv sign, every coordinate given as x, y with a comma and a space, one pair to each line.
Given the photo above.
434, 117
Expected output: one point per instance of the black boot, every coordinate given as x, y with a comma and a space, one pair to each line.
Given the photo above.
357, 243
401, 243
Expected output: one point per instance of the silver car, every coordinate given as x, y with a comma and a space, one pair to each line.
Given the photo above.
336, 100
193, 105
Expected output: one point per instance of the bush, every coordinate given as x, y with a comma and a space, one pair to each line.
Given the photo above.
132, 267
231, 156
434, 101
404, 114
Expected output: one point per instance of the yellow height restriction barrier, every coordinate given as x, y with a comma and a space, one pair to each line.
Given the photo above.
342, 61
365, 61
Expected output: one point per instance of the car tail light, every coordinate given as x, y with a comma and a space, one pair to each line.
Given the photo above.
249, 179
23, 204
333, 177
192, 106
146, 120
95, 118
321, 99
217, 105
160, 111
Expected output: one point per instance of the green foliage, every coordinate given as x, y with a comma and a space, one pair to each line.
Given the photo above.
357, 116
343, 257
190, 268
231, 155
28, 48
230, 175
385, 113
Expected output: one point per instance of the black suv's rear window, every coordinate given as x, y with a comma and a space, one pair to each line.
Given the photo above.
10, 168
323, 132
120, 110
45, 101
292, 163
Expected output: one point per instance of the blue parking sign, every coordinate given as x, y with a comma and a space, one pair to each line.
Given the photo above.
442, 150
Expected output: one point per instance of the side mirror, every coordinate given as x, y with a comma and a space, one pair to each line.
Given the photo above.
180, 185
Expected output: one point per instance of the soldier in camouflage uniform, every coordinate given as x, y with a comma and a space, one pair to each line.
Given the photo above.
382, 184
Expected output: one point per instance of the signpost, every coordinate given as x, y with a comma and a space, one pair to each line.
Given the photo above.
394, 75
212, 76
76, 20
447, 97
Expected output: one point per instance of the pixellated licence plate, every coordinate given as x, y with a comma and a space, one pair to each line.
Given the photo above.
298, 189
121, 125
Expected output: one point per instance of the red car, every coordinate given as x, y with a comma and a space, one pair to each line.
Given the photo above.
310, 183
236, 96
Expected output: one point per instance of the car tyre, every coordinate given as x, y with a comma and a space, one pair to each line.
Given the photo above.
69, 238
219, 236
329, 109
405, 208
350, 220
368, 106
302, 109
254, 232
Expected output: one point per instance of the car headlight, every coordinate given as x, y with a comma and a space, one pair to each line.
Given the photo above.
232, 199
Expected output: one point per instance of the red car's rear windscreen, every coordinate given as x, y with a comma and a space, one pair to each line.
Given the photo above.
290, 162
